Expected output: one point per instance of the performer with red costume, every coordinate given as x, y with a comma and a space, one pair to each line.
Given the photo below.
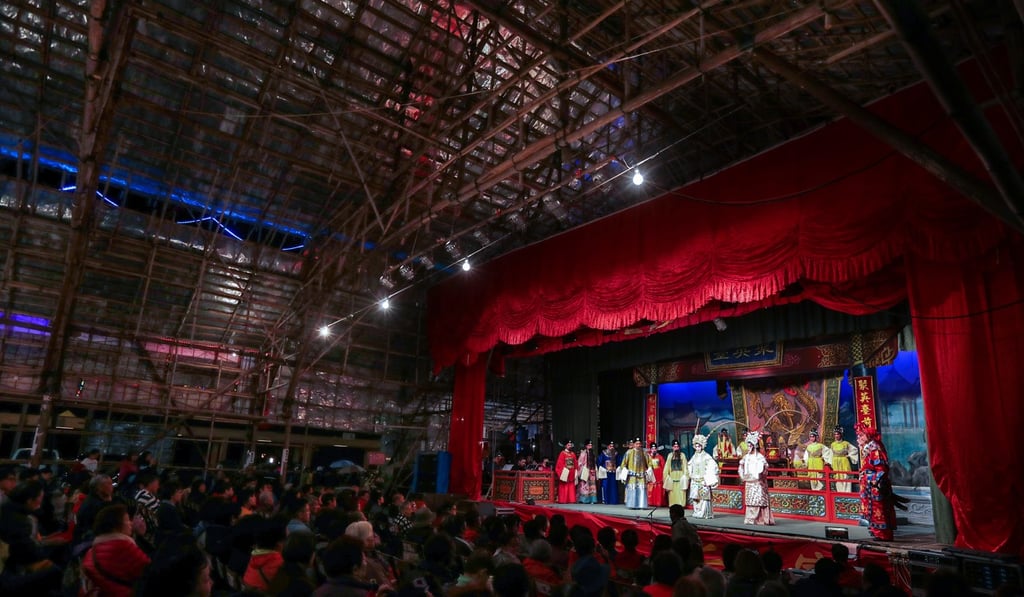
656, 489
877, 500
565, 473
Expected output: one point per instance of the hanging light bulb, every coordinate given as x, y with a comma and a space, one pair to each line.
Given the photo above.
638, 179
385, 304
325, 330
465, 265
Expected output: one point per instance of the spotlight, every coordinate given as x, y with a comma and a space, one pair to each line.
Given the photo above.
638, 179
426, 261
720, 324
385, 304
325, 330
406, 271
387, 282
453, 249
465, 265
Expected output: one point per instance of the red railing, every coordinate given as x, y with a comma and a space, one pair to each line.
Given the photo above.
797, 493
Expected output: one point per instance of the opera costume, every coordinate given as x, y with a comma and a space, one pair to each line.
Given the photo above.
814, 460
703, 472
753, 471
877, 500
844, 456
607, 463
724, 449
565, 473
636, 468
656, 486
677, 477
586, 488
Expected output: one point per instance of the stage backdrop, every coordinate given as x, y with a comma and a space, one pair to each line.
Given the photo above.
791, 410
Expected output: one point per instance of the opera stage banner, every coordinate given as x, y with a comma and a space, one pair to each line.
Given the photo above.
788, 411
864, 401
651, 420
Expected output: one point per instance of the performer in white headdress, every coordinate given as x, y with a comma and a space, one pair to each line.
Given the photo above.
637, 469
703, 472
753, 471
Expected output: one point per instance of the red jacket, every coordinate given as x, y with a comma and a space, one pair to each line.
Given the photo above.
262, 569
113, 564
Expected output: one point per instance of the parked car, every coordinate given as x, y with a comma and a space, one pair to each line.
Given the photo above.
26, 454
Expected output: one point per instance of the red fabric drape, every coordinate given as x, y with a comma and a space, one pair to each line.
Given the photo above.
969, 327
465, 433
832, 208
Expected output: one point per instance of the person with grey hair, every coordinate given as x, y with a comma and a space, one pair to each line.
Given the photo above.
538, 566
101, 495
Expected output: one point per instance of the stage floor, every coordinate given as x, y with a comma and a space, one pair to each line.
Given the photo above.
908, 536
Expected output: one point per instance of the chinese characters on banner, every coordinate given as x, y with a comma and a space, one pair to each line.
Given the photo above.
864, 401
651, 420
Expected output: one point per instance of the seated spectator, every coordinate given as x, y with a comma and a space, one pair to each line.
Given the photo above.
507, 551
374, 570
300, 513
688, 586
91, 462
422, 527
475, 577
266, 557
850, 580
629, 559
176, 572
169, 514
558, 537
876, 583
538, 566
772, 563
293, 578
27, 570
773, 588
589, 576
340, 560
714, 580
510, 580
666, 569
748, 574
823, 583
455, 527
114, 562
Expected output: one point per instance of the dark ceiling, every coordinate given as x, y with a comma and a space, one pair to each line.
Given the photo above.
262, 167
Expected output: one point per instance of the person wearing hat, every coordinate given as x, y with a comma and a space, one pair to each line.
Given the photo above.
877, 500
566, 474
814, 458
753, 471
608, 462
844, 455
586, 488
677, 478
638, 469
703, 472
656, 488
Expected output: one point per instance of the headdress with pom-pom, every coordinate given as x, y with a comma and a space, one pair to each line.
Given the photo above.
698, 439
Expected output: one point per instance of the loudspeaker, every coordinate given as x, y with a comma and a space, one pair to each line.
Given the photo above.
431, 472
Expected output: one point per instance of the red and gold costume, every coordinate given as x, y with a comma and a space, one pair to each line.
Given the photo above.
877, 501
565, 475
656, 488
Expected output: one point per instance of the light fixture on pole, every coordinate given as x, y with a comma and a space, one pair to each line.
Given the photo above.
720, 324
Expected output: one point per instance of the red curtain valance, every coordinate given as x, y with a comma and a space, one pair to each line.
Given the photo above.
832, 207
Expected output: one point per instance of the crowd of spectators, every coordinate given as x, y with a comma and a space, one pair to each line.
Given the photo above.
153, 536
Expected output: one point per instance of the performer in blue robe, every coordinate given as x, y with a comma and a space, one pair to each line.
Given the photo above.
607, 463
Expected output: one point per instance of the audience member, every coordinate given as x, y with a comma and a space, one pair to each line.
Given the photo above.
114, 562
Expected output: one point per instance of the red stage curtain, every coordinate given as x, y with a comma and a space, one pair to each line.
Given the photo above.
831, 208
466, 429
969, 328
